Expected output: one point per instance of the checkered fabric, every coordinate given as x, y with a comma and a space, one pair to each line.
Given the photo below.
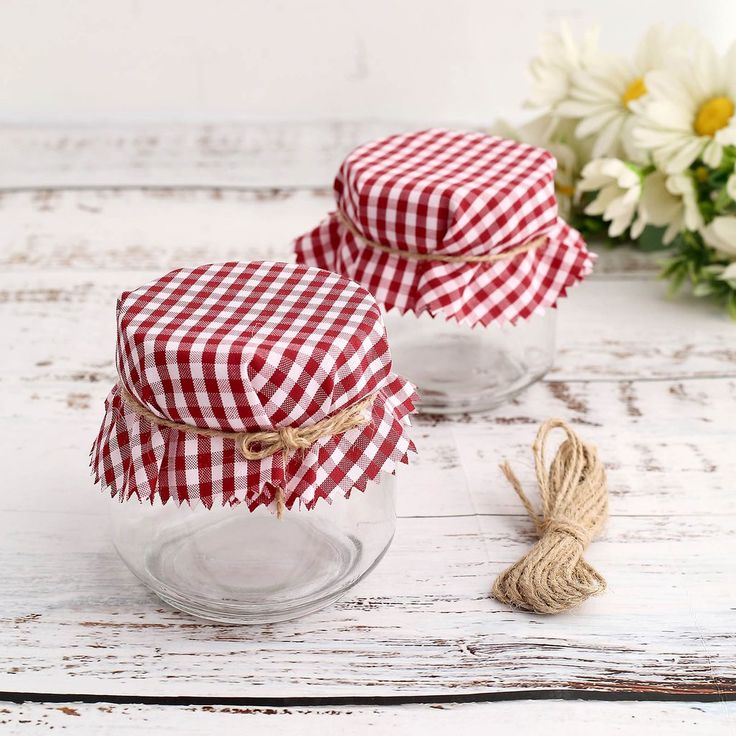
450, 193
246, 347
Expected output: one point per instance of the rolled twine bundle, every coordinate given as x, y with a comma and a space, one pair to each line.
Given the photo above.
553, 576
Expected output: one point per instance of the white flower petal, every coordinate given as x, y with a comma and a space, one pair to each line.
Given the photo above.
618, 225
560, 56
608, 139
712, 154
721, 235
663, 85
676, 89
731, 186
573, 109
658, 205
595, 122
637, 228
602, 201
727, 136
671, 232
678, 160
619, 189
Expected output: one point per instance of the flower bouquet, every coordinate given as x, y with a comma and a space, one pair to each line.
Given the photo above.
646, 148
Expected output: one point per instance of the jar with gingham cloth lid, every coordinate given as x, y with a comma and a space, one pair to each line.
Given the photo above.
252, 438
458, 237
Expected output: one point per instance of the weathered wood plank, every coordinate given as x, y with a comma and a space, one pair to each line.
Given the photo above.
568, 718
156, 229
165, 228
248, 154
658, 401
675, 459
661, 439
75, 621
606, 330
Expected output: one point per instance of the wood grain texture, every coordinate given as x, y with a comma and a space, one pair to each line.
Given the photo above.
423, 622
161, 228
76, 622
243, 155
195, 190
560, 719
629, 345
650, 381
675, 466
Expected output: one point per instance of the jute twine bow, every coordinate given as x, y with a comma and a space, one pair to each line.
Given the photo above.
265, 443
411, 255
553, 576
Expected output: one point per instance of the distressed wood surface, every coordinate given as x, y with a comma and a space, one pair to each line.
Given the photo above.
652, 382
75, 622
194, 189
282, 154
560, 719
171, 227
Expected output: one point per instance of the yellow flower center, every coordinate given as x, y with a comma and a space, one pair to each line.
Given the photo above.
713, 115
565, 189
634, 91
701, 174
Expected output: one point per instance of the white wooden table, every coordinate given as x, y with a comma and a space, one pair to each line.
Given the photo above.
419, 646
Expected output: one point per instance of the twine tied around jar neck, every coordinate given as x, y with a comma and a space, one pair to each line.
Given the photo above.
266, 443
553, 576
530, 245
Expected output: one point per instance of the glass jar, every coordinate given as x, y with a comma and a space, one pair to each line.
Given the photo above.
460, 225
235, 566
254, 402
457, 368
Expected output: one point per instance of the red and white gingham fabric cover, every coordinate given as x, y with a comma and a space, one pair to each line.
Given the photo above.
454, 193
246, 347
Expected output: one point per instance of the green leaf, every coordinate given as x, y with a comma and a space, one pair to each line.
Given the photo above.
704, 288
669, 269
650, 240
722, 201
707, 210
677, 279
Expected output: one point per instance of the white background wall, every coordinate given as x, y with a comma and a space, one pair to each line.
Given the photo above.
200, 60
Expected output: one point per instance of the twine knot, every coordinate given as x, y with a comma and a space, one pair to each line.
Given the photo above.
260, 445
292, 440
266, 443
553, 576
565, 526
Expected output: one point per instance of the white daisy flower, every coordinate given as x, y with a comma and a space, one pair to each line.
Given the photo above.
619, 189
682, 185
671, 202
731, 186
604, 96
720, 234
689, 110
560, 55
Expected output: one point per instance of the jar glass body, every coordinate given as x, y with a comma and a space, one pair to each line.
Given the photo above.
457, 368
232, 565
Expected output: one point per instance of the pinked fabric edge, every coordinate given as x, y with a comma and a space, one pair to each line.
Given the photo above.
136, 460
332, 247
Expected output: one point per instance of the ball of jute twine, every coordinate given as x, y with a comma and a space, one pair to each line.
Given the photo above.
553, 576
265, 443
